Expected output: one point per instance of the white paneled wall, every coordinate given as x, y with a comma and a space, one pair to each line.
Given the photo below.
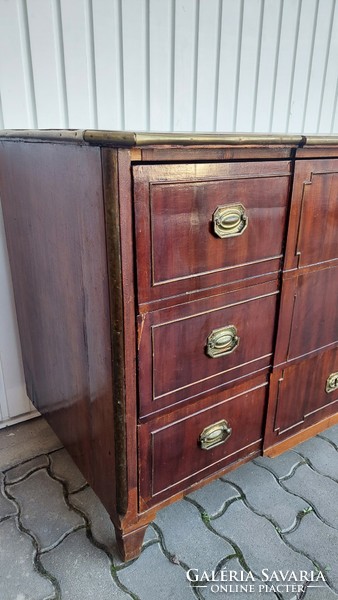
161, 65
182, 65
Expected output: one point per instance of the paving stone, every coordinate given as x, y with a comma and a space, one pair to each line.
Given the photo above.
82, 570
331, 434
19, 580
320, 542
152, 576
317, 489
320, 591
188, 538
259, 542
24, 441
282, 465
63, 467
212, 497
43, 508
7, 507
100, 523
321, 454
266, 496
252, 590
25, 468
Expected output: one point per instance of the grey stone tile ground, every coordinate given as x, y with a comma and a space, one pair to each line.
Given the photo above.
100, 524
18, 576
180, 538
320, 491
282, 466
63, 467
321, 455
198, 547
321, 591
154, 577
21, 442
25, 468
238, 590
277, 504
43, 508
82, 570
7, 507
212, 498
331, 434
259, 542
320, 542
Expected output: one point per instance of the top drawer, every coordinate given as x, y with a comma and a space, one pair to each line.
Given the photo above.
204, 225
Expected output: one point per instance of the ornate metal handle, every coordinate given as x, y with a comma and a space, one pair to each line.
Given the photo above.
230, 220
332, 383
222, 341
214, 435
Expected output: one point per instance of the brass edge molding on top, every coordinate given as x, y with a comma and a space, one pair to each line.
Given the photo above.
130, 138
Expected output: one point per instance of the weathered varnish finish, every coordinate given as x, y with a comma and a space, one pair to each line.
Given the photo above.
172, 289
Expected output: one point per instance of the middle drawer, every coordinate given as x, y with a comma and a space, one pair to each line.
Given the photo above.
187, 350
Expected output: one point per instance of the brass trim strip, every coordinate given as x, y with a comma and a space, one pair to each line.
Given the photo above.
321, 140
52, 135
130, 138
111, 138
187, 139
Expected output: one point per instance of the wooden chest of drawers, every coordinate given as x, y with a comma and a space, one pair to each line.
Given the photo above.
177, 302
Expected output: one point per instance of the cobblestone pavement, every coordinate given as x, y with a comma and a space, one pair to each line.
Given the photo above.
57, 542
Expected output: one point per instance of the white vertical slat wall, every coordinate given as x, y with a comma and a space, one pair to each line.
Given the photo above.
160, 65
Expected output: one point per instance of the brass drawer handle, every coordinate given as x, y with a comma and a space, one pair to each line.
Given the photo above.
222, 341
332, 383
214, 435
230, 220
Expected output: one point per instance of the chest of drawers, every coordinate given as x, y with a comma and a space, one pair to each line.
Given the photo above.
177, 302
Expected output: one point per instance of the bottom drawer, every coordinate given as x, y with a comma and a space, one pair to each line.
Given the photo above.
302, 395
181, 449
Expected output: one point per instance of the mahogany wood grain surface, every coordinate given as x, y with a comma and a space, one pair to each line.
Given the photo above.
315, 318
313, 229
214, 153
53, 211
170, 453
119, 279
173, 363
308, 319
303, 434
298, 396
177, 248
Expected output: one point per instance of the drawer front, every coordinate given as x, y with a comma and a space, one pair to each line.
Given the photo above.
302, 395
313, 235
176, 452
204, 345
202, 225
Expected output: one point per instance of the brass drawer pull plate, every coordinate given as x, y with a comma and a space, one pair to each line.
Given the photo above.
214, 435
332, 383
222, 341
230, 220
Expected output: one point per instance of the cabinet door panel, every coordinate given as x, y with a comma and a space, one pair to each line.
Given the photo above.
302, 395
315, 317
313, 231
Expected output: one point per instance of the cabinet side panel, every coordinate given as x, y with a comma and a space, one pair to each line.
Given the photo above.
54, 219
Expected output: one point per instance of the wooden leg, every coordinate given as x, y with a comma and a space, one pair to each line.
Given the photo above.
130, 544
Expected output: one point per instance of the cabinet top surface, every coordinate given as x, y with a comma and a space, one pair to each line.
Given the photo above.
130, 139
